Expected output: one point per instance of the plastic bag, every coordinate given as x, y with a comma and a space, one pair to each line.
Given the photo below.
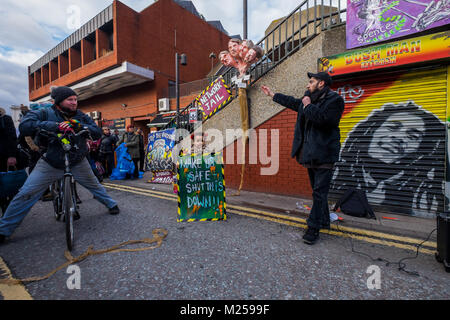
124, 166
11, 182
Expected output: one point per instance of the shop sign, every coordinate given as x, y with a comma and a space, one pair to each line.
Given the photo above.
425, 48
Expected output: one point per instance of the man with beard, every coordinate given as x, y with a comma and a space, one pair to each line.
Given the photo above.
316, 142
62, 117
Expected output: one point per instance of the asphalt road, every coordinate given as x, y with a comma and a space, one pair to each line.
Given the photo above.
242, 258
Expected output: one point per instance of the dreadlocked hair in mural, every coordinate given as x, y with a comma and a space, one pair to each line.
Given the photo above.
393, 155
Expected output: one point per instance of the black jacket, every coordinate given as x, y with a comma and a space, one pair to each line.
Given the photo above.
317, 127
108, 144
49, 121
8, 137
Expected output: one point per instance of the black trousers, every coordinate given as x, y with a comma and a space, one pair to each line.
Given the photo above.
107, 163
136, 167
142, 161
320, 180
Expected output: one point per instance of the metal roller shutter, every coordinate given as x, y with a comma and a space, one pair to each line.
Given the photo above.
393, 140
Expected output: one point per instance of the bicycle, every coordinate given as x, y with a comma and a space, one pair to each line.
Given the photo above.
65, 202
56, 189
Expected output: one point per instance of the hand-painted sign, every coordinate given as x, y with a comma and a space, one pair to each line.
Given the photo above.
159, 151
193, 115
201, 188
372, 21
162, 177
429, 47
214, 97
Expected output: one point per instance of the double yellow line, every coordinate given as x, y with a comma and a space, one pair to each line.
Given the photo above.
12, 292
408, 243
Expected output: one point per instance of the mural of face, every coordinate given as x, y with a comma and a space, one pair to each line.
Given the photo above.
394, 139
393, 151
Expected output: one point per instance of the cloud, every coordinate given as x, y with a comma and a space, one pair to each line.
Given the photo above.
260, 14
14, 80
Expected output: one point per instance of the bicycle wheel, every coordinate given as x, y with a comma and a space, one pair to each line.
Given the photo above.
69, 211
56, 199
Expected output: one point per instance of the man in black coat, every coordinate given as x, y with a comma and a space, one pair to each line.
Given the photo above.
8, 141
107, 147
8, 149
316, 143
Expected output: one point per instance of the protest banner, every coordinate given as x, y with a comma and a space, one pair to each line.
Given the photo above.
214, 97
201, 188
159, 154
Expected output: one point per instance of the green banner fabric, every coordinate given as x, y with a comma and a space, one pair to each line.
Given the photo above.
201, 188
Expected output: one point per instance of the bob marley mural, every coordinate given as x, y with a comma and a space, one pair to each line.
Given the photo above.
396, 153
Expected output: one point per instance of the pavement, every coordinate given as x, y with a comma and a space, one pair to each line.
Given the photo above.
298, 207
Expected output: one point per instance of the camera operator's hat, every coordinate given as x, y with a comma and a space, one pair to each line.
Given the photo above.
321, 76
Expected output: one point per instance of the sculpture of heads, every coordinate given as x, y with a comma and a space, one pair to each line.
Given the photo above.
234, 47
226, 59
241, 55
253, 55
246, 45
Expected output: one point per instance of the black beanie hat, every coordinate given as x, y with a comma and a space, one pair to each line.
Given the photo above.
61, 93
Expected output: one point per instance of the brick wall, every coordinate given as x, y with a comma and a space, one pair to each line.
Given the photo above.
291, 179
149, 39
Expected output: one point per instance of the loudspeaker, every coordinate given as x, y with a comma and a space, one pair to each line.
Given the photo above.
443, 239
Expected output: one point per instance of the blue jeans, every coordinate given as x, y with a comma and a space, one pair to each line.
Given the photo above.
40, 178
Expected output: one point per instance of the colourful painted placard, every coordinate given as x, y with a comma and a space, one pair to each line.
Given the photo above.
201, 188
429, 47
214, 97
159, 155
373, 21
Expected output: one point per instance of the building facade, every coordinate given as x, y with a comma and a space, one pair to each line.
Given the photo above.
122, 62
394, 129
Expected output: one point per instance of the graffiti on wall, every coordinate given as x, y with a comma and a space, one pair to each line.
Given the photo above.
390, 155
447, 167
372, 21
393, 147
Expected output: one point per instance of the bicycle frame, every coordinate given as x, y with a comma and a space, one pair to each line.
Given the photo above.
66, 198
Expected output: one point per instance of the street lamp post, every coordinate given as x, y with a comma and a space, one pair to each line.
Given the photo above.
245, 19
182, 59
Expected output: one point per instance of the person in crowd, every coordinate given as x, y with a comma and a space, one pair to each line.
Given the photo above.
107, 147
131, 141
316, 143
93, 158
28, 146
8, 149
141, 149
62, 117
116, 134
